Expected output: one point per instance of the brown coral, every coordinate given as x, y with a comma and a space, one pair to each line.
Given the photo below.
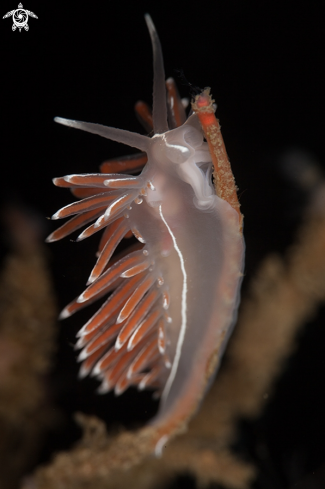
27, 335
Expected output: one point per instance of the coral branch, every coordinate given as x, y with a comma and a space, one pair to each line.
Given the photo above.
27, 335
226, 189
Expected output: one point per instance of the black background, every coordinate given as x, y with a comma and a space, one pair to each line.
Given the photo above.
264, 62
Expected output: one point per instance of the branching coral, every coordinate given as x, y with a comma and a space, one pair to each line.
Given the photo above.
27, 335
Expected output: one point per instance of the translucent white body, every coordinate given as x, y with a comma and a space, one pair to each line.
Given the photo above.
190, 267
195, 241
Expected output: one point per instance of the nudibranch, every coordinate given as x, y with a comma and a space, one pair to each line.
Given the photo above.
170, 303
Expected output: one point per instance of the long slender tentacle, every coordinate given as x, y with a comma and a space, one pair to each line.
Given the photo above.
159, 105
119, 135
